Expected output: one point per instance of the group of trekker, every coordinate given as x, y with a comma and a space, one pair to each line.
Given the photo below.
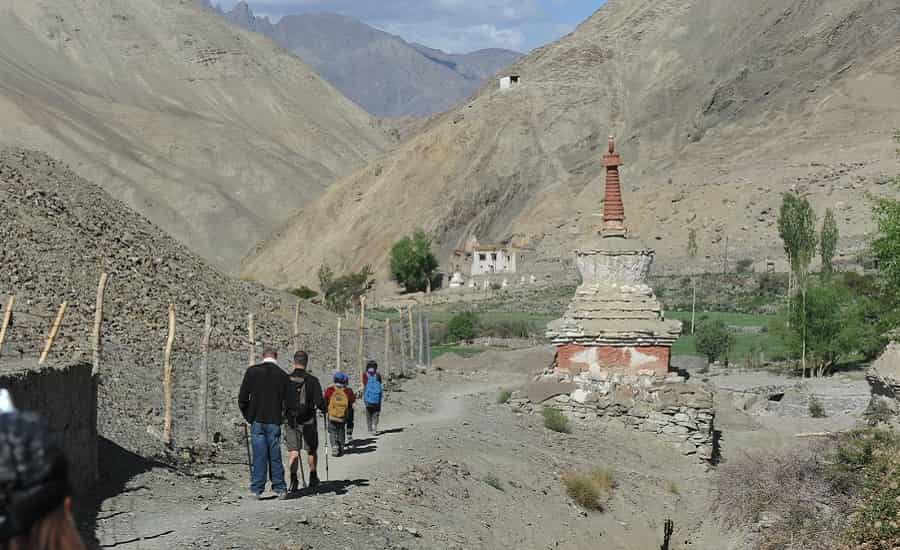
273, 402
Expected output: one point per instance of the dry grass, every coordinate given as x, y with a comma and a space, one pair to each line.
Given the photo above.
791, 489
555, 420
590, 490
672, 487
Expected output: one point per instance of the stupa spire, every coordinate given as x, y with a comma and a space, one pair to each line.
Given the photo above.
613, 209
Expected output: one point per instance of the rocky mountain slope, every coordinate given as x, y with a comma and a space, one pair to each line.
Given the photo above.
61, 231
214, 133
718, 106
379, 71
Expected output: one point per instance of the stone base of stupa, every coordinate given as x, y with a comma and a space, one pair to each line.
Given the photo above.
614, 321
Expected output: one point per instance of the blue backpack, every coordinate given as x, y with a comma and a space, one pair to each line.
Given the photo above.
373, 392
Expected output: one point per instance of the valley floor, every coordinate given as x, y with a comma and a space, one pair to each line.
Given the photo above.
453, 469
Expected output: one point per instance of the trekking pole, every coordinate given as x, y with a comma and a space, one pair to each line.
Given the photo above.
249, 455
327, 445
302, 472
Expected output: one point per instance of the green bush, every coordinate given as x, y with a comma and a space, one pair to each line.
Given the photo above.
342, 293
832, 320
463, 327
555, 420
589, 490
504, 396
870, 460
745, 265
304, 292
714, 340
816, 409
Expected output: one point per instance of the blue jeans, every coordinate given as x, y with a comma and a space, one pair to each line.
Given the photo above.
266, 442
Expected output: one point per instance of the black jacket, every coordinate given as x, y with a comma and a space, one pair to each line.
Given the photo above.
265, 393
314, 398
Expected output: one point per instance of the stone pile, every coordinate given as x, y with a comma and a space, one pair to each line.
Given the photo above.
884, 377
679, 413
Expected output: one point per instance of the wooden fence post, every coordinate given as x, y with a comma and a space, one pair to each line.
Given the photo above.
251, 331
402, 342
202, 403
338, 349
427, 341
54, 331
7, 318
421, 338
412, 334
167, 379
387, 348
98, 321
297, 346
362, 337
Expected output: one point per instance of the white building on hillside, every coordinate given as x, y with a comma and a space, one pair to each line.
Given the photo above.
489, 259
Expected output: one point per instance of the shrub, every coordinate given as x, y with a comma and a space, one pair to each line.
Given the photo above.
673, 488
504, 396
304, 292
463, 327
493, 481
787, 485
513, 328
870, 460
341, 293
555, 420
745, 265
714, 340
816, 409
589, 490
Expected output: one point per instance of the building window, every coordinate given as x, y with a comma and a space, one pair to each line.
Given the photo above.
482, 257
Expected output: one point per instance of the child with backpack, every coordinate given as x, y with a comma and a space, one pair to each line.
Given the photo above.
373, 393
339, 401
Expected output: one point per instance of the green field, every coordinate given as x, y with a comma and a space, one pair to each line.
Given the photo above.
770, 345
765, 342
462, 351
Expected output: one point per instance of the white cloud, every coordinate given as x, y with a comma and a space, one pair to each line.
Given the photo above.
451, 25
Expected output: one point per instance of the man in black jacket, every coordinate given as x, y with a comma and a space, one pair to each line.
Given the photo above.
302, 432
265, 394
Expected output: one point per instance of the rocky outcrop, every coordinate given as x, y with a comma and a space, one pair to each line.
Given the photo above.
884, 380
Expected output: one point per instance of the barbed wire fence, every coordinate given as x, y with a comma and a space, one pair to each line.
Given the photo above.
400, 344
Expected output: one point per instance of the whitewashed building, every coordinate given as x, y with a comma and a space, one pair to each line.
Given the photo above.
489, 259
509, 82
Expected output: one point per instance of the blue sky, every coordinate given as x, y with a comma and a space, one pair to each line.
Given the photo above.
452, 25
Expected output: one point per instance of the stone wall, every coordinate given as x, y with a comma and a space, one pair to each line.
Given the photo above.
677, 412
66, 397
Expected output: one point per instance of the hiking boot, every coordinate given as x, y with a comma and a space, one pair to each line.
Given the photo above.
313, 480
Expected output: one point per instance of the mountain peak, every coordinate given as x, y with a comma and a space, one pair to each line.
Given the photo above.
381, 72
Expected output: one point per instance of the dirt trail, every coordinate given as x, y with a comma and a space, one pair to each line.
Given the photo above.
453, 469
150, 525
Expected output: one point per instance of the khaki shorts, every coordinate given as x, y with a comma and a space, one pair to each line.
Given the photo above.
304, 436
